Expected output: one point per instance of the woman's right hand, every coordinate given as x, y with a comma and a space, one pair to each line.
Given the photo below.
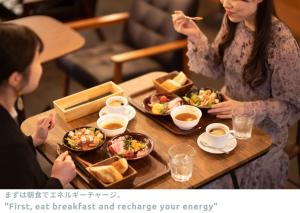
185, 26
63, 168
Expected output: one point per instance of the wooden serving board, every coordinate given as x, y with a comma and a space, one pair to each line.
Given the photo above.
148, 168
136, 99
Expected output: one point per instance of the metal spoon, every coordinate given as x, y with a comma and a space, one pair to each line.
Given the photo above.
212, 147
197, 18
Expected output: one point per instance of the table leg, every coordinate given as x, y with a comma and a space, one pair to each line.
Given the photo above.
234, 180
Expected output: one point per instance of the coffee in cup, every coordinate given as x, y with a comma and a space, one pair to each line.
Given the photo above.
218, 135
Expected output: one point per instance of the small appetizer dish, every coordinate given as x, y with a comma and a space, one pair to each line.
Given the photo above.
83, 139
203, 98
131, 146
161, 104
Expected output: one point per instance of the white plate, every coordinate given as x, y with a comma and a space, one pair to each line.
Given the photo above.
228, 148
129, 112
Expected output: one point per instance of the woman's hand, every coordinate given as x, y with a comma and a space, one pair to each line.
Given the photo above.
44, 124
223, 110
63, 168
185, 26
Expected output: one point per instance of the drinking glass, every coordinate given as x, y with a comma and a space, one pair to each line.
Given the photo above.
181, 162
242, 122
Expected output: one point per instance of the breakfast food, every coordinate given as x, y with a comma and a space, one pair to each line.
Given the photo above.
129, 147
116, 103
170, 85
186, 117
204, 98
180, 78
121, 165
84, 139
162, 104
175, 83
110, 173
107, 174
112, 126
217, 131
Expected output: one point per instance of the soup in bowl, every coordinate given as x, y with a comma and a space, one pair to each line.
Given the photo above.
186, 117
112, 124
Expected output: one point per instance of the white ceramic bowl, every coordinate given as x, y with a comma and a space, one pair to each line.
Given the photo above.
186, 125
112, 118
116, 109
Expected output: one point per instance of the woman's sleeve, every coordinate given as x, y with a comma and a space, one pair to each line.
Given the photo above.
20, 171
283, 108
204, 57
53, 183
29, 140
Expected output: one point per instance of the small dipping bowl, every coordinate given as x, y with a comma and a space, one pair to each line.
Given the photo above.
186, 109
108, 124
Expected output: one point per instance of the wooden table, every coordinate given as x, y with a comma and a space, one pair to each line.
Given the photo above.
207, 166
59, 39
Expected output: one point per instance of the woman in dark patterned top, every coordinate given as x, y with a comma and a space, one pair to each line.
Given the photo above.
20, 72
260, 60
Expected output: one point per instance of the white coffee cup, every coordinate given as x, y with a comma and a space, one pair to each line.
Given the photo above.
113, 106
218, 135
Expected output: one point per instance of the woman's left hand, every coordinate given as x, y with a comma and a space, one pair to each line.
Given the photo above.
223, 110
44, 124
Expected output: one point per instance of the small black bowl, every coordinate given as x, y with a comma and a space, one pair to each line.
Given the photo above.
148, 109
196, 90
66, 143
137, 136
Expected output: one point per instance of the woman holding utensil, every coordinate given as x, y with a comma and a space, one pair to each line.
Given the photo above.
20, 72
260, 60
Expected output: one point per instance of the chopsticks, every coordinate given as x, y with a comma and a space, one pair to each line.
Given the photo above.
77, 161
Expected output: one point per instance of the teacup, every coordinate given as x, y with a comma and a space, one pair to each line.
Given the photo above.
218, 135
116, 104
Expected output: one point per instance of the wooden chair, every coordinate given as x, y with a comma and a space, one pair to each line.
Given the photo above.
60, 9
289, 12
147, 40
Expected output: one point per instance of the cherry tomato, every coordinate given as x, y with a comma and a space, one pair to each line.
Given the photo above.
163, 99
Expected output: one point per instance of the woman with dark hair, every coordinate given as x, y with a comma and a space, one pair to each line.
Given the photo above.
20, 72
260, 60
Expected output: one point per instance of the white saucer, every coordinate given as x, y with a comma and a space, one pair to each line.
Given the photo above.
232, 143
129, 112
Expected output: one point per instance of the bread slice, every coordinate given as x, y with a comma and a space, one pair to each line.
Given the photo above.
107, 174
180, 78
121, 165
170, 84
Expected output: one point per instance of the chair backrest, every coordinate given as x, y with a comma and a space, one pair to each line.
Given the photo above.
66, 10
150, 23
